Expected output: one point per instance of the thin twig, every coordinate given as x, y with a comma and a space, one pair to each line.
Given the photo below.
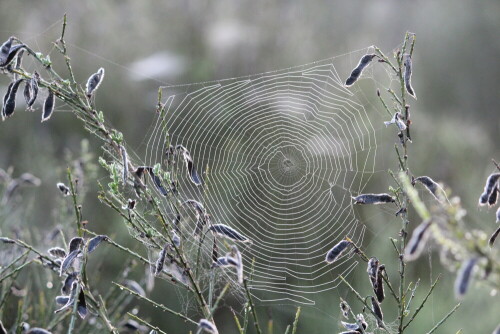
252, 307
444, 319
423, 302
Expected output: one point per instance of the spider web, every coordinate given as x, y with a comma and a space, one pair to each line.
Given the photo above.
280, 154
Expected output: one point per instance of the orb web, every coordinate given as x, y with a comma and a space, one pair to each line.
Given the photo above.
280, 154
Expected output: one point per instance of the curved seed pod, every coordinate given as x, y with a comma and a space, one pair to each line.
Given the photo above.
221, 262
71, 298
75, 244
33, 89
207, 326
417, 241
235, 253
68, 283
5, 48
430, 184
10, 99
94, 82
337, 250
464, 277
18, 62
191, 170
57, 252
68, 261
372, 270
356, 73
378, 311
62, 300
492, 200
228, 232
161, 260
407, 75
94, 242
6, 240
4, 61
81, 306
373, 199
349, 326
157, 181
361, 319
379, 286
494, 237
396, 119
489, 187
345, 308
63, 188
48, 106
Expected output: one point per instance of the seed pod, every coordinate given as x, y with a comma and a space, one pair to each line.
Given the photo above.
68, 283
33, 89
235, 253
71, 298
379, 286
464, 277
430, 184
36, 330
417, 241
345, 308
490, 186
378, 312
207, 326
161, 260
372, 270
62, 300
396, 119
125, 164
228, 232
361, 319
6, 240
48, 106
63, 188
57, 252
200, 210
407, 75
9, 101
75, 244
191, 170
93, 82
94, 242
81, 306
356, 73
221, 262
494, 236
352, 327
157, 181
131, 204
492, 200
373, 199
5, 60
5, 48
334, 253
68, 261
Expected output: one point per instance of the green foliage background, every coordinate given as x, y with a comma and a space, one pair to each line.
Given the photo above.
456, 121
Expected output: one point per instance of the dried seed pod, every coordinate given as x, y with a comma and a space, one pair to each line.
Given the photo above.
94, 82
228, 232
157, 181
221, 262
207, 326
191, 170
429, 184
68, 283
63, 188
81, 306
378, 312
33, 84
125, 164
5, 60
373, 199
356, 72
396, 119
417, 241
345, 308
5, 48
161, 260
68, 261
352, 327
361, 320
491, 184
57, 252
36, 330
71, 298
75, 243
6, 240
379, 286
235, 254
464, 277
407, 75
9, 101
494, 237
48, 106
337, 250
62, 300
492, 200
372, 271
94, 242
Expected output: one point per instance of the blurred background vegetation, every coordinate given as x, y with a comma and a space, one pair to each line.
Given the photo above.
143, 45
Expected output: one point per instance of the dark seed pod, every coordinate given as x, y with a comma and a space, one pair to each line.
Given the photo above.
417, 241
494, 236
94, 82
430, 184
337, 250
407, 75
207, 326
345, 308
161, 260
6, 240
68, 283
191, 169
492, 200
372, 271
396, 119
221, 262
5, 48
361, 320
157, 181
57, 252
71, 298
379, 286
68, 261
75, 244
356, 73
63, 188
11, 55
94, 242
491, 184
378, 312
33, 89
62, 300
36, 330
81, 306
228, 232
9, 100
373, 199
131, 204
464, 277
48, 106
